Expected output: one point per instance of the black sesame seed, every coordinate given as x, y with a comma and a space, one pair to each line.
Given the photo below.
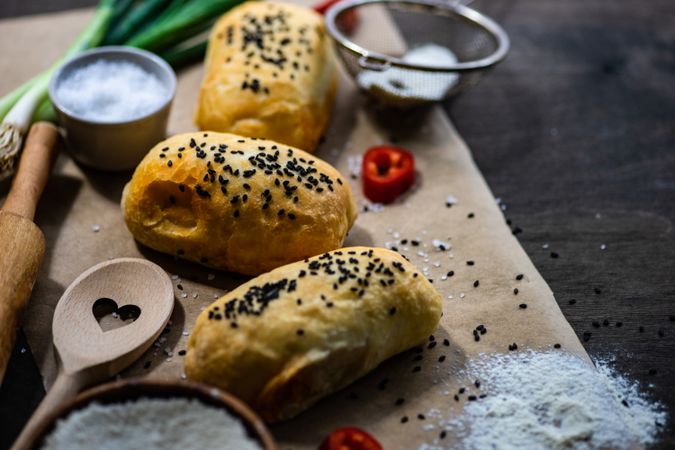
399, 401
523, 306
404, 419
416, 369
300, 332
476, 283
470, 263
421, 416
515, 291
392, 311
556, 345
519, 276
441, 358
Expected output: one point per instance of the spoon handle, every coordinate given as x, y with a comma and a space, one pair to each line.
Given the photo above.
66, 386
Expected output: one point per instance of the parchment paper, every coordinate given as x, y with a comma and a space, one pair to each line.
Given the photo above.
78, 201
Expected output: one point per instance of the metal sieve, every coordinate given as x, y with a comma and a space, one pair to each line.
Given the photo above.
446, 49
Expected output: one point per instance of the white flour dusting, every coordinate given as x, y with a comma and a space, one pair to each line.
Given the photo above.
415, 84
150, 424
551, 400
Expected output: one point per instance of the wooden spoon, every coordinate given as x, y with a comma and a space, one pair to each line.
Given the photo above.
87, 353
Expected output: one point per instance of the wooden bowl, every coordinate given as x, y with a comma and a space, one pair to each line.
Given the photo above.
136, 388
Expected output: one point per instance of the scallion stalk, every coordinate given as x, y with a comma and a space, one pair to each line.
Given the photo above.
137, 18
181, 55
192, 17
16, 122
9, 100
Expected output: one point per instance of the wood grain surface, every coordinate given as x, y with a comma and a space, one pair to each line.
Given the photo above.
575, 132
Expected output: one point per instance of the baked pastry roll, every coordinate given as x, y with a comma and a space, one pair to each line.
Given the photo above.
270, 73
291, 336
234, 203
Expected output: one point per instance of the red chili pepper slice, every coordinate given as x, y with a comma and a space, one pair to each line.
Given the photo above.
347, 21
387, 172
350, 439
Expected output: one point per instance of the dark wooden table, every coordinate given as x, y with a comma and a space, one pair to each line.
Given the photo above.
575, 132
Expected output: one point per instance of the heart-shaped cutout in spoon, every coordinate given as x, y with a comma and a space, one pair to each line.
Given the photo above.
109, 316
90, 354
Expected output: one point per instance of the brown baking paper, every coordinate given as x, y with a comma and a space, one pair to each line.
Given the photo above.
80, 216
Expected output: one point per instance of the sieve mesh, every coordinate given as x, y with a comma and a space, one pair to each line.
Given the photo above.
381, 62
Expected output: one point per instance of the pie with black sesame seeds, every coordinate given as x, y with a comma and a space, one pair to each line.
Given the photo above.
240, 205
270, 71
285, 339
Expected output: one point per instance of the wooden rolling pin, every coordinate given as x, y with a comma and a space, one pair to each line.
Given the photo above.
22, 244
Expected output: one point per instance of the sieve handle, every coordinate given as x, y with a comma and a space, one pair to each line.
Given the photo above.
373, 63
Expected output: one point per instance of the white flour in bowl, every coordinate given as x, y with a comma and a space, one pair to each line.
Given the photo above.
150, 424
551, 400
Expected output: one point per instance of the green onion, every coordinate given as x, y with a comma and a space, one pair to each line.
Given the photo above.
136, 19
16, 122
182, 55
173, 28
192, 17
10, 99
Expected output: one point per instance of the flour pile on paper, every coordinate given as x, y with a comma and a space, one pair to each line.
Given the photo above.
552, 400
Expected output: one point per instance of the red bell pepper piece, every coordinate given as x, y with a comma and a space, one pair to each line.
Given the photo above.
387, 172
350, 439
346, 21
